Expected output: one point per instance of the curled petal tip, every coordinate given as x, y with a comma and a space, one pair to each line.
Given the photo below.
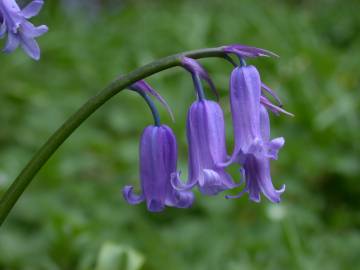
130, 197
282, 189
274, 195
237, 196
274, 146
142, 86
178, 185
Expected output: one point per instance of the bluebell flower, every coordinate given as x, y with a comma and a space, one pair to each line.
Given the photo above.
158, 159
18, 29
206, 140
205, 128
253, 148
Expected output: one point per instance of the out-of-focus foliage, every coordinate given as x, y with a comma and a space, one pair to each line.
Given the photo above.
73, 215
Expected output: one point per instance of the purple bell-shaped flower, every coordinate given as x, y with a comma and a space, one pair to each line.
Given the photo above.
206, 139
205, 128
253, 148
158, 159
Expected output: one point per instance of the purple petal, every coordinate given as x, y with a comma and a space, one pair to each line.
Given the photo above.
154, 172
30, 31
212, 182
145, 87
271, 148
259, 180
274, 195
237, 196
154, 205
32, 9
179, 185
264, 124
12, 43
274, 146
2, 30
31, 47
130, 197
245, 88
241, 193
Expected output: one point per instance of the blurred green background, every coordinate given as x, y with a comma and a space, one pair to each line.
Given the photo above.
73, 215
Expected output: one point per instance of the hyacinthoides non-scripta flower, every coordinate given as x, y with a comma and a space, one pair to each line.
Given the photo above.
253, 148
205, 128
19, 31
158, 161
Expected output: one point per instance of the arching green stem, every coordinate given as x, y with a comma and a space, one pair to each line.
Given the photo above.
19, 185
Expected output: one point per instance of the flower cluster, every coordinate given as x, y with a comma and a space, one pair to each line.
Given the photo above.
19, 31
161, 184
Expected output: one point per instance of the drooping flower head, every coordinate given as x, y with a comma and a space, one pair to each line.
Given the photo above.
205, 130
253, 148
245, 91
206, 141
158, 159
19, 30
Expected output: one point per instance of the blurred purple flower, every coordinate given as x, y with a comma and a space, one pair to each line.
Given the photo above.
158, 158
253, 148
206, 140
19, 30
